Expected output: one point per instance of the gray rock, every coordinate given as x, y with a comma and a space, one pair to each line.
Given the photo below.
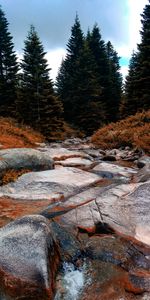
59, 153
49, 184
143, 161
77, 162
29, 259
112, 170
24, 159
143, 174
125, 207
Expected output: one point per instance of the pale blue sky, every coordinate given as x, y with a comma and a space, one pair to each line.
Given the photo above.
119, 21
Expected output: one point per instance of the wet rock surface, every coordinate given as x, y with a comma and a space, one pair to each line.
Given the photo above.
91, 237
18, 159
29, 258
46, 184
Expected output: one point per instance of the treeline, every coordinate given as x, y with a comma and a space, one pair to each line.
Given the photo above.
88, 91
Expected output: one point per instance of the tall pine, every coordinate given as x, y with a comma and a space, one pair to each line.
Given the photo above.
8, 70
143, 68
129, 103
115, 84
137, 85
88, 108
98, 49
65, 83
37, 104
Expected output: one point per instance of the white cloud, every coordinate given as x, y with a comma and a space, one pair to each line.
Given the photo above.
135, 10
124, 71
54, 58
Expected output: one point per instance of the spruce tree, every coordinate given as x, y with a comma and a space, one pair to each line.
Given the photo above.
88, 108
137, 86
37, 103
115, 84
129, 103
8, 70
65, 82
98, 48
143, 68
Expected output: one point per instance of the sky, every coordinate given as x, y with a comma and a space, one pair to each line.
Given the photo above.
118, 20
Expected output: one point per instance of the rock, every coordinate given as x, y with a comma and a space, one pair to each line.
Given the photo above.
49, 184
77, 162
93, 153
110, 170
73, 141
126, 210
143, 174
29, 258
11, 209
24, 159
70, 248
60, 153
115, 268
143, 161
82, 208
121, 207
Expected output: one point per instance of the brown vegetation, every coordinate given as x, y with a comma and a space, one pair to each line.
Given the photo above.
12, 175
70, 132
133, 131
14, 135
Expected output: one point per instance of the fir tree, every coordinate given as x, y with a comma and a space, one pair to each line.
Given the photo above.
66, 76
137, 87
86, 98
8, 70
115, 84
37, 103
143, 68
129, 103
98, 48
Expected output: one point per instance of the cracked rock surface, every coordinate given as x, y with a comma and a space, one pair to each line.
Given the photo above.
78, 205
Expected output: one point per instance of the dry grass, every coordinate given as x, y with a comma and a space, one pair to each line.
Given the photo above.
71, 132
13, 135
12, 175
133, 131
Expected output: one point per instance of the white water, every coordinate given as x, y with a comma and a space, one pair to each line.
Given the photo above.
72, 282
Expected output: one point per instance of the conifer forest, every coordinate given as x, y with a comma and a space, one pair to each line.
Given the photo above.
89, 91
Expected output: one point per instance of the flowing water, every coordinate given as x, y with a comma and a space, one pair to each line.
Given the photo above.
71, 282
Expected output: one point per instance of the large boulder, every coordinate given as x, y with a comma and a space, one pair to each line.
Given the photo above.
49, 184
124, 208
118, 269
29, 257
18, 159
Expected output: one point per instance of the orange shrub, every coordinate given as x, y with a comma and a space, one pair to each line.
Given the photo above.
133, 131
14, 135
12, 175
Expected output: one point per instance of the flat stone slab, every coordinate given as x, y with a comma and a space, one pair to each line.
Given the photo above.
125, 207
114, 169
49, 184
23, 158
63, 153
28, 259
77, 162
